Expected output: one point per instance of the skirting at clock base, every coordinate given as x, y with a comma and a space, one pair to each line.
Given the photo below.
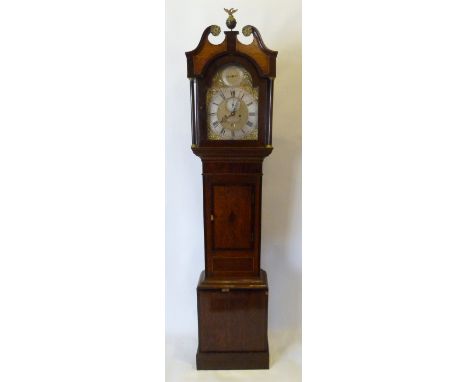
233, 360
232, 323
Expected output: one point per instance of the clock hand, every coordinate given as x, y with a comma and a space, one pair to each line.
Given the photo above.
236, 107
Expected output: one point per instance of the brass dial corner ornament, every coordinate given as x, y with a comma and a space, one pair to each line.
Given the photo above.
231, 21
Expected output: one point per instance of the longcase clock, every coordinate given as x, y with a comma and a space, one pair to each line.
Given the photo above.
231, 86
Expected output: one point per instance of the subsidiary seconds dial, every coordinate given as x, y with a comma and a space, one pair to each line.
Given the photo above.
232, 114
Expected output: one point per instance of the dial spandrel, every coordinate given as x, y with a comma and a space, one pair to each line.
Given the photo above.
232, 105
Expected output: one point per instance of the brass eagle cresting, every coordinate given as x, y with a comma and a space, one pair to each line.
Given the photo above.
231, 21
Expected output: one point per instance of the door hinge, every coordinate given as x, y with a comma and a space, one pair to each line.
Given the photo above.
212, 217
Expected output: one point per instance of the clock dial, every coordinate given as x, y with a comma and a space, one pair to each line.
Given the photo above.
232, 113
232, 106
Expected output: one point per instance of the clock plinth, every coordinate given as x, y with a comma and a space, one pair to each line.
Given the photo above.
231, 86
232, 323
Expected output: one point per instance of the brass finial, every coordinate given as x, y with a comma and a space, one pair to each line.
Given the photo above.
247, 30
215, 30
231, 21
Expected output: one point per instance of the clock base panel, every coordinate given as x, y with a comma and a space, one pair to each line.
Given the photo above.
232, 324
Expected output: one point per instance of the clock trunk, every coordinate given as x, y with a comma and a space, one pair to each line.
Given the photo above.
232, 222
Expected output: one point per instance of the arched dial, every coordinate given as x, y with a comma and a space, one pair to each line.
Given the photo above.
232, 110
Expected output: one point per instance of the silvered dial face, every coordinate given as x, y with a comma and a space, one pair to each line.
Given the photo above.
232, 110
232, 113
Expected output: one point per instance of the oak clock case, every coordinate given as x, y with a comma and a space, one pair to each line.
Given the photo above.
231, 86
